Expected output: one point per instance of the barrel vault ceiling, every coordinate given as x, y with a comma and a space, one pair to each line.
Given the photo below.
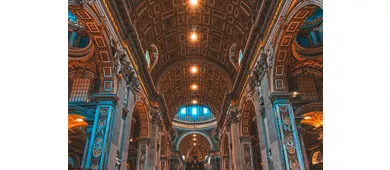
168, 24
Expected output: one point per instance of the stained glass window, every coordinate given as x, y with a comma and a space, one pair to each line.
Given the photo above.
194, 113
240, 57
147, 58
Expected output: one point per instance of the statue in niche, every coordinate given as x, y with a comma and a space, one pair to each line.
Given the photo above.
142, 157
119, 57
118, 161
270, 55
270, 161
258, 70
125, 99
247, 157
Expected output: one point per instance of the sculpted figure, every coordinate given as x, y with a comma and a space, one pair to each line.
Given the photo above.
270, 55
118, 58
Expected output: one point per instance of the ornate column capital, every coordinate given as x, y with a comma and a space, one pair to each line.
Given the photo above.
280, 95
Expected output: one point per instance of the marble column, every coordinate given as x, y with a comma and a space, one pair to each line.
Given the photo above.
235, 137
246, 153
230, 145
87, 141
154, 155
174, 163
304, 153
287, 132
101, 131
143, 153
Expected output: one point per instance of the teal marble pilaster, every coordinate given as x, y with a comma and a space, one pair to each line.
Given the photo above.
101, 131
287, 131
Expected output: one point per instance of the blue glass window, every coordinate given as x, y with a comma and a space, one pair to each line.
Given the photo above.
240, 57
72, 17
147, 58
194, 113
83, 42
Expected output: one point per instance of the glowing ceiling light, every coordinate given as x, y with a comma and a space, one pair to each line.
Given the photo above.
79, 119
194, 87
131, 140
193, 2
194, 139
194, 102
194, 37
194, 69
194, 144
307, 117
194, 135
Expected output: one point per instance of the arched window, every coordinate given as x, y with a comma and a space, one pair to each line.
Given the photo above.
234, 56
80, 91
316, 158
194, 113
77, 35
311, 33
147, 58
240, 57
153, 57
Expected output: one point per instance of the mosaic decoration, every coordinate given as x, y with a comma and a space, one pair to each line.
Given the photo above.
290, 140
99, 142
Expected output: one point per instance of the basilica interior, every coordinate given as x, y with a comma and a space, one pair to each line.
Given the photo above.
195, 84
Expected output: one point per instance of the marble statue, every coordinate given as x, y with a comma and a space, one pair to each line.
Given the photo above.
270, 55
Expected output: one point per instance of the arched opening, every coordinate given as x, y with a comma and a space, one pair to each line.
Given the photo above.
153, 56
139, 129
77, 35
299, 51
310, 34
256, 150
310, 124
194, 150
234, 56
76, 140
